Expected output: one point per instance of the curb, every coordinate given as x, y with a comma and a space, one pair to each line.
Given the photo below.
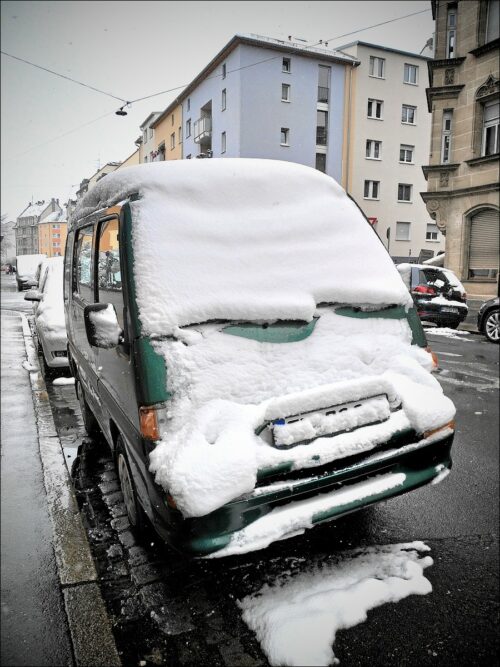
89, 625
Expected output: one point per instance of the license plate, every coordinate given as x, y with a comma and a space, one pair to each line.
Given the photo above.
449, 309
60, 353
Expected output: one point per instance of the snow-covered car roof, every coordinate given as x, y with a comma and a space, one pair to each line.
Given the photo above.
245, 239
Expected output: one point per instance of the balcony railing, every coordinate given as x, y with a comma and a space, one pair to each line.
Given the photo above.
203, 130
323, 94
321, 136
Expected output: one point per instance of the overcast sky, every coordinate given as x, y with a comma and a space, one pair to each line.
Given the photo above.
134, 49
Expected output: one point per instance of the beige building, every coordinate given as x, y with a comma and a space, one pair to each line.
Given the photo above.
146, 143
52, 232
462, 174
168, 133
387, 139
130, 161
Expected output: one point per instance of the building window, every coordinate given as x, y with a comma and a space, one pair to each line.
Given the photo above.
321, 128
323, 84
56, 236
285, 92
403, 231
371, 189
150, 132
56, 244
188, 157
223, 100
484, 245
188, 104
188, 128
321, 162
492, 21
373, 149
411, 74
490, 140
179, 133
451, 31
377, 67
286, 65
404, 192
446, 136
285, 136
406, 153
408, 114
172, 141
432, 233
224, 70
173, 119
223, 142
145, 136
375, 108
56, 226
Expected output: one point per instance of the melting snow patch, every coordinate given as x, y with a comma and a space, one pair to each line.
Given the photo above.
297, 618
59, 381
29, 367
446, 332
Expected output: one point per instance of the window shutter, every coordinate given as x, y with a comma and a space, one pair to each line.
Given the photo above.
484, 244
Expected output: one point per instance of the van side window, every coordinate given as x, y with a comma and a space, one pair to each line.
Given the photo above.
109, 277
84, 280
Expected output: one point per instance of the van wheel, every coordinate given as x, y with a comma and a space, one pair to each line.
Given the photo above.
135, 513
89, 421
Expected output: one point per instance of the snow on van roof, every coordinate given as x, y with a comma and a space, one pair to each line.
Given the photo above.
245, 239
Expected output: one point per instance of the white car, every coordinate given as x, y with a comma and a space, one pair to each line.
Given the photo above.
49, 313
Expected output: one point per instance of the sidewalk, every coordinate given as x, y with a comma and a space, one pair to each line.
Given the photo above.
52, 609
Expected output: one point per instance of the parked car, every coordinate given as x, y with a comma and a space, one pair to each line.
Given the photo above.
240, 335
437, 293
487, 320
26, 268
50, 326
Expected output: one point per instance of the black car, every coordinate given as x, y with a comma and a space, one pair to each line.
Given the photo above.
438, 295
487, 320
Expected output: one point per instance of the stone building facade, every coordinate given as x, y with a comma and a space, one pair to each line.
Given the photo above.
464, 98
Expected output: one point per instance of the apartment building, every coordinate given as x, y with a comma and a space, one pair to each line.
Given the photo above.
88, 183
27, 227
52, 232
146, 143
388, 140
462, 172
265, 98
168, 137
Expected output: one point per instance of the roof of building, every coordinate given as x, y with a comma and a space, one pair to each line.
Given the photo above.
264, 42
55, 216
384, 48
33, 210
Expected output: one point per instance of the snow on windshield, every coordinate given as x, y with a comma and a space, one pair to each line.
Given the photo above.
297, 616
245, 239
28, 264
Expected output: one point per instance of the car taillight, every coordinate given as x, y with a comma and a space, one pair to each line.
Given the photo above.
435, 360
424, 289
153, 420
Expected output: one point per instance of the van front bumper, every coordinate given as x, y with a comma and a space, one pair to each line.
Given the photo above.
342, 488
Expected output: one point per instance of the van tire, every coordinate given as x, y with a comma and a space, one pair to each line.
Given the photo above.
136, 515
89, 421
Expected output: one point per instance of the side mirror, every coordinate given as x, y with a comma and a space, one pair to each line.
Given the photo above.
101, 326
33, 295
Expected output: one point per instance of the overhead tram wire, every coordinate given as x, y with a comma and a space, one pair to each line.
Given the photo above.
63, 76
259, 62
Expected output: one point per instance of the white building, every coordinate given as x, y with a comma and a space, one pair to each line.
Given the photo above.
389, 142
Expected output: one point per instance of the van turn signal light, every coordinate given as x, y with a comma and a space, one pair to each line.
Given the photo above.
435, 360
149, 423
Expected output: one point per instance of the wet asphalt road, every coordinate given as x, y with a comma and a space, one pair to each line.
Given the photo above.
169, 610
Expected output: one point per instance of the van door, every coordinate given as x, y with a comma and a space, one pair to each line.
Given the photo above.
83, 295
115, 370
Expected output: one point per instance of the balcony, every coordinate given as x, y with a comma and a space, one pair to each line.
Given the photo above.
323, 95
203, 130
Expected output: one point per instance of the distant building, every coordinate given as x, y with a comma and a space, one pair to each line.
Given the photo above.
27, 225
88, 183
130, 161
8, 241
167, 129
387, 138
147, 144
52, 231
462, 174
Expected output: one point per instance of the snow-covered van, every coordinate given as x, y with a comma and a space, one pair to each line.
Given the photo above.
249, 350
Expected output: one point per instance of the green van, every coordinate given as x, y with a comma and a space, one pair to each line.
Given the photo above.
242, 339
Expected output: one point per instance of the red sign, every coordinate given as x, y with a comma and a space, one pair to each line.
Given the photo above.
373, 221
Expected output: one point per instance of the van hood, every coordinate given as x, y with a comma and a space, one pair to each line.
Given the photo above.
354, 383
